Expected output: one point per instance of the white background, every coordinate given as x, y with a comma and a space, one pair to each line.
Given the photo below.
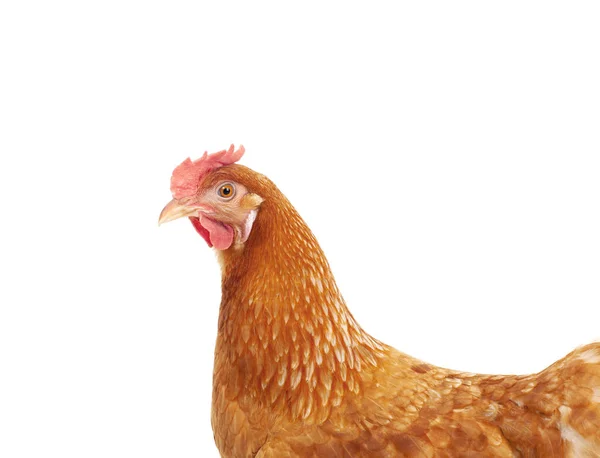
447, 156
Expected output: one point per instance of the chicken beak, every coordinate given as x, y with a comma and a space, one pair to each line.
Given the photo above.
175, 210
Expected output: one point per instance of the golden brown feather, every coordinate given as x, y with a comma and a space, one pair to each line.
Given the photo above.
295, 375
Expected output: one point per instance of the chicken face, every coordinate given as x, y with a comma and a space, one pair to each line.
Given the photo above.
221, 209
223, 213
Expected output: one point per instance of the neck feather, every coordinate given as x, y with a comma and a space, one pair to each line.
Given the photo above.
283, 323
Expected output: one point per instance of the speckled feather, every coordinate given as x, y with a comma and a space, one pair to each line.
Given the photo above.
296, 376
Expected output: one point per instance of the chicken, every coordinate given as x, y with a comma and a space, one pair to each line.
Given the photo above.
296, 376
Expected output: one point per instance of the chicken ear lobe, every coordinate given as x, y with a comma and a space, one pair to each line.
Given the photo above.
250, 202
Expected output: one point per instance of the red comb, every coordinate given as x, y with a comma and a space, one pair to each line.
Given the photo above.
186, 176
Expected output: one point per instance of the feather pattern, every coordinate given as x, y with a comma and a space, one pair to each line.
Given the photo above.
296, 376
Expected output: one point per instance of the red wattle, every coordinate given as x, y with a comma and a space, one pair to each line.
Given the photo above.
213, 232
201, 230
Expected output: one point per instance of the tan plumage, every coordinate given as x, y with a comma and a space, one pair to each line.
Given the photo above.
296, 376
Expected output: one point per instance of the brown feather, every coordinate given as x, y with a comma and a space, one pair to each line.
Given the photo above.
295, 375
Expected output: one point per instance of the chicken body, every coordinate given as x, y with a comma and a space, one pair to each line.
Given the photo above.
296, 376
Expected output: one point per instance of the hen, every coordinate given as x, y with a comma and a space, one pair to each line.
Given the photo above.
296, 376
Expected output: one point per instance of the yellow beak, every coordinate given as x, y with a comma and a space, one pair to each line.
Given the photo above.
175, 210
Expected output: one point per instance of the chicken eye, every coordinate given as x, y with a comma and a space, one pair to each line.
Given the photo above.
226, 191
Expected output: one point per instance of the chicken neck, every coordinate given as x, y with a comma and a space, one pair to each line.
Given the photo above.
286, 337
